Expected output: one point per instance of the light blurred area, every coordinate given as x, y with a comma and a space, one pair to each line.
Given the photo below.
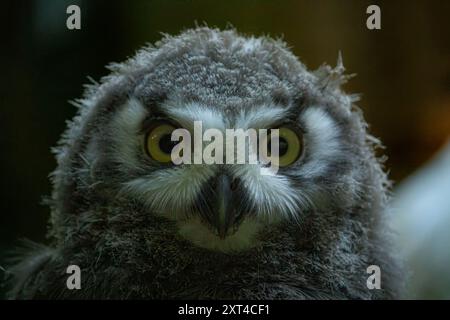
421, 210
403, 76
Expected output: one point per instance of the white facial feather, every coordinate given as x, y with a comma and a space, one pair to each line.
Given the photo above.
125, 130
187, 113
272, 195
169, 192
260, 117
172, 191
322, 141
245, 237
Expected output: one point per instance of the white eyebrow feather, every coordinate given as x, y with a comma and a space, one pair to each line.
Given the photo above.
260, 117
187, 113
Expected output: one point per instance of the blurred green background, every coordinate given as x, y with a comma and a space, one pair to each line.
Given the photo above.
403, 74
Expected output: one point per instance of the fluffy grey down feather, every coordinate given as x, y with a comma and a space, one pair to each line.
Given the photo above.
124, 251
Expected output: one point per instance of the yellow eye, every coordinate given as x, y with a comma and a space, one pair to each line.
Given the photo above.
290, 146
158, 142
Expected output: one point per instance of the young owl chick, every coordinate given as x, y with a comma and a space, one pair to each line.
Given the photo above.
139, 226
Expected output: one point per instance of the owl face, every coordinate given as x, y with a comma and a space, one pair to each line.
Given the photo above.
122, 140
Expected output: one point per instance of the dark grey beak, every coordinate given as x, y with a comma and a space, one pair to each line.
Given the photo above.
225, 212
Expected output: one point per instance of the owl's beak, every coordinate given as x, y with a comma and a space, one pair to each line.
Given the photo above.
225, 212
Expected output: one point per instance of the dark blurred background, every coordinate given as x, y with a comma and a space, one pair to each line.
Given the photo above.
403, 73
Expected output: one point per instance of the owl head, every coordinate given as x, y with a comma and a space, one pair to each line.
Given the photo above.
114, 160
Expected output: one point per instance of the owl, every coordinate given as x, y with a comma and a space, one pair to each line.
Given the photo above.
139, 226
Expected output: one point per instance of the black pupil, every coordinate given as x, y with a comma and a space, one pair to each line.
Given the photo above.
283, 147
166, 144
